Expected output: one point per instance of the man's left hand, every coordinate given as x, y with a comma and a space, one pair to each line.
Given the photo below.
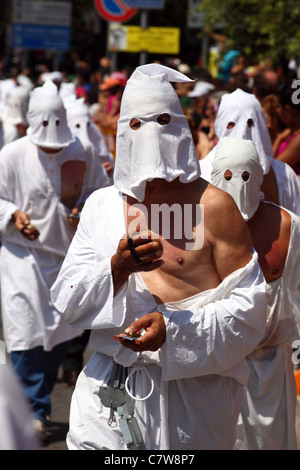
154, 336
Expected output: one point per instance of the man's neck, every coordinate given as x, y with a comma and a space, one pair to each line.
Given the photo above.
159, 186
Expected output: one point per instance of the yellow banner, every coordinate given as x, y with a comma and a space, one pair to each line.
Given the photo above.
136, 39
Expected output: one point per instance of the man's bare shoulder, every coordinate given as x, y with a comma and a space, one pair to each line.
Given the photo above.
216, 199
222, 216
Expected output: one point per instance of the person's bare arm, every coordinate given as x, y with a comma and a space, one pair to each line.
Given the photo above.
291, 154
228, 234
279, 139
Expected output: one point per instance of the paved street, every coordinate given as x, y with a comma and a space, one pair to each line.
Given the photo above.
58, 428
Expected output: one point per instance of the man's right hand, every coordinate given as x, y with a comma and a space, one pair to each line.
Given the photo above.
147, 253
22, 223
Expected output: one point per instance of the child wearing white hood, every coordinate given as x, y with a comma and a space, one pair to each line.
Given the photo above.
241, 116
267, 420
198, 297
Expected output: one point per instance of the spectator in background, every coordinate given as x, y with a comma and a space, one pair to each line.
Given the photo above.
286, 146
201, 117
265, 82
229, 60
82, 79
270, 105
107, 115
238, 76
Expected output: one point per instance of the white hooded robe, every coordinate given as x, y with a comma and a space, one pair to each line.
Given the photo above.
196, 377
31, 181
199, 372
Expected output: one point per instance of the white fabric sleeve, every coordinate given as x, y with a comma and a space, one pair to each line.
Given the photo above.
83, 291
214, 338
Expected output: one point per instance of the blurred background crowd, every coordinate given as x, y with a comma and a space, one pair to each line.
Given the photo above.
100, 86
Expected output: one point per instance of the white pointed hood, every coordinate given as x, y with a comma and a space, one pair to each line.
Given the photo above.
46, 117
82, 125
156, 146
238, 107
237, 170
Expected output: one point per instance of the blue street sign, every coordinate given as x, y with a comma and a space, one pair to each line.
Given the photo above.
146, 4
41, 37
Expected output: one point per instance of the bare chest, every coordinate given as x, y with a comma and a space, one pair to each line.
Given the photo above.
182, 274
72, 176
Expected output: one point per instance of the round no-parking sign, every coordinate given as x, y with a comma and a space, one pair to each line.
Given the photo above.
115, 10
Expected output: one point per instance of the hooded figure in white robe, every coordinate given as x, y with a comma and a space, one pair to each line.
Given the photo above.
208, 335
31, 181
267, 420
240, 115
82, 125
43, 180
15, 120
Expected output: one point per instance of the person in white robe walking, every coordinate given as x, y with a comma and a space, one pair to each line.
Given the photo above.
82, 125
267, 419
14, 121
45, 179
198, 298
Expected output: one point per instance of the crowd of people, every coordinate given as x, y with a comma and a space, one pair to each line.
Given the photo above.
193, 334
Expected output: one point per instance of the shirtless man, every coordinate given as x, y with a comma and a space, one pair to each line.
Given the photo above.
182, 273
267, 420
198, 300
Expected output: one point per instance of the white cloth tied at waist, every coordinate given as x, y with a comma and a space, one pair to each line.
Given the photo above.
137, 369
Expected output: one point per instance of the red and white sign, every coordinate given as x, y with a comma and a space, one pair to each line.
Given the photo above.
115, 10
